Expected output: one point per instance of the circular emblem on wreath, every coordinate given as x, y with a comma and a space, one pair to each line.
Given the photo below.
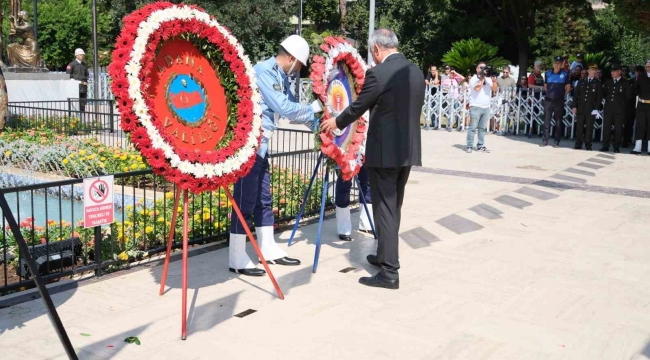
187, 95
337, 77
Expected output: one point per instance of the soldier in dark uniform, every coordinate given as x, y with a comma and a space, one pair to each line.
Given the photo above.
587, 101
628, 127
617, 91
78, 70
641, 89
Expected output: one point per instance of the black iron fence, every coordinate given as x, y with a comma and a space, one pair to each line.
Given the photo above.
50, 216
83, 118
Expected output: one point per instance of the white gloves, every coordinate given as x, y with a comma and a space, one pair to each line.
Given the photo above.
316, 106
596, 113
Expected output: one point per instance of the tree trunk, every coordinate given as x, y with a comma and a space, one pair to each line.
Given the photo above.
343, 10
522, 57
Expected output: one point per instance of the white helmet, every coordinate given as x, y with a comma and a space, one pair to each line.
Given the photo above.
79, 52
297, 47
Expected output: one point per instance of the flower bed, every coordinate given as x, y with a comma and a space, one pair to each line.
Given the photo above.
60, 124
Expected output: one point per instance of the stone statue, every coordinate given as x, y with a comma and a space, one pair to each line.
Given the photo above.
25, 54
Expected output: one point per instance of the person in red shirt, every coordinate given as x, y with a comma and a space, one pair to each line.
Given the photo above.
535, 79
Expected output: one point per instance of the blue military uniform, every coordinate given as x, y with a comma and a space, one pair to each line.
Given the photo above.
253, 192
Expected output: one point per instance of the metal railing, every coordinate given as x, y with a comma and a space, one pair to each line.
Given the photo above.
84, 118
50, 216
511, 110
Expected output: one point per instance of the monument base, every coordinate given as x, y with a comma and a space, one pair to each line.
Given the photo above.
30, 70
45, 86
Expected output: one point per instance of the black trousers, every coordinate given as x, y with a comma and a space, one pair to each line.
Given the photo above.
617, 121
553, 108
387, 190
642, 120
628, 128
584, 130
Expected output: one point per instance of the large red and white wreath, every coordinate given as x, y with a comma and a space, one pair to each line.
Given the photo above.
336, 50
132, 70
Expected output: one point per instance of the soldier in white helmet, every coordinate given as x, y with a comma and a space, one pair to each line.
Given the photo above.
253, 192
78, 70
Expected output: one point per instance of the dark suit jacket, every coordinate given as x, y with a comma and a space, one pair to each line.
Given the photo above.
394, 93
617, 96
588, 97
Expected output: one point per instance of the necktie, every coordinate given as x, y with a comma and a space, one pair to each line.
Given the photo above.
615, 81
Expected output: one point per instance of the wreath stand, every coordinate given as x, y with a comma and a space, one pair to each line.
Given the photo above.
185, 248
322, 208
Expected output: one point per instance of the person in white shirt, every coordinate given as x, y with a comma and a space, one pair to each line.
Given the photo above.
481, 87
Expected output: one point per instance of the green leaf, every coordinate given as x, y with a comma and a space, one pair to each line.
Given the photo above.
132, 340
84, 334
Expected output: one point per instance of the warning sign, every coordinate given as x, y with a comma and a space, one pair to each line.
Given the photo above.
98, 201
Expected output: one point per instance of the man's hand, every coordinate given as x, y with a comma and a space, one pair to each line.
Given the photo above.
328, 125
574, 111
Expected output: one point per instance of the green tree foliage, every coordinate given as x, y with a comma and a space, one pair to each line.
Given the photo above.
617, 40
324, 14
635, 14
63, 26
419, 25
561, 30
465, 54
356, 24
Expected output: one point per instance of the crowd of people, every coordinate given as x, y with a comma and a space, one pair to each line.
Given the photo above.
617, 98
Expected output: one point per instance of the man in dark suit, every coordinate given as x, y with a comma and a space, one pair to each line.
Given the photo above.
617, 92
394, 93
587, 101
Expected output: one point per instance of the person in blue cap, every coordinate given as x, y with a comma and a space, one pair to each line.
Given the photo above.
342, 202
253, 191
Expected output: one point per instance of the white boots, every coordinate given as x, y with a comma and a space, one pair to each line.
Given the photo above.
266, 242
364, 221
237, 257
343, 223
637, 147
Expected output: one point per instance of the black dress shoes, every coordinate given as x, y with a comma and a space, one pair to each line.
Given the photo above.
556, 144
617, 150
284, 261
604, 149
380, 281
248, 272
345, 237
372, 260
635, 152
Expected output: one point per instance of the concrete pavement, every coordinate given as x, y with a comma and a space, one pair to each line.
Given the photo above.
523, 253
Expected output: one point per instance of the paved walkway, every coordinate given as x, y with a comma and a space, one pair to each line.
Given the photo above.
524, 253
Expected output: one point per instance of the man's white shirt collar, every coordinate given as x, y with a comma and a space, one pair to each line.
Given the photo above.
383, 61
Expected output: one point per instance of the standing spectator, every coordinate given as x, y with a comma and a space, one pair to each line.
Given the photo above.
446, 74
557, 87
579, 61
576, 73
451, 86
481, 87
642, 90
599, 75
616, 91
587, 101
433, 81
535, 79
522, 90
505, 80
78, 71
394, 94
433, 78
507, 86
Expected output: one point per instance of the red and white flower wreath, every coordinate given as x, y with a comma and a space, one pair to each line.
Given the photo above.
132, 63
337, 49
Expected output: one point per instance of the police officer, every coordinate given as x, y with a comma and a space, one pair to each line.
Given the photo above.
78, 70
253, 191
641, 89
342, 202
557, 85
587, 101
616, 91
